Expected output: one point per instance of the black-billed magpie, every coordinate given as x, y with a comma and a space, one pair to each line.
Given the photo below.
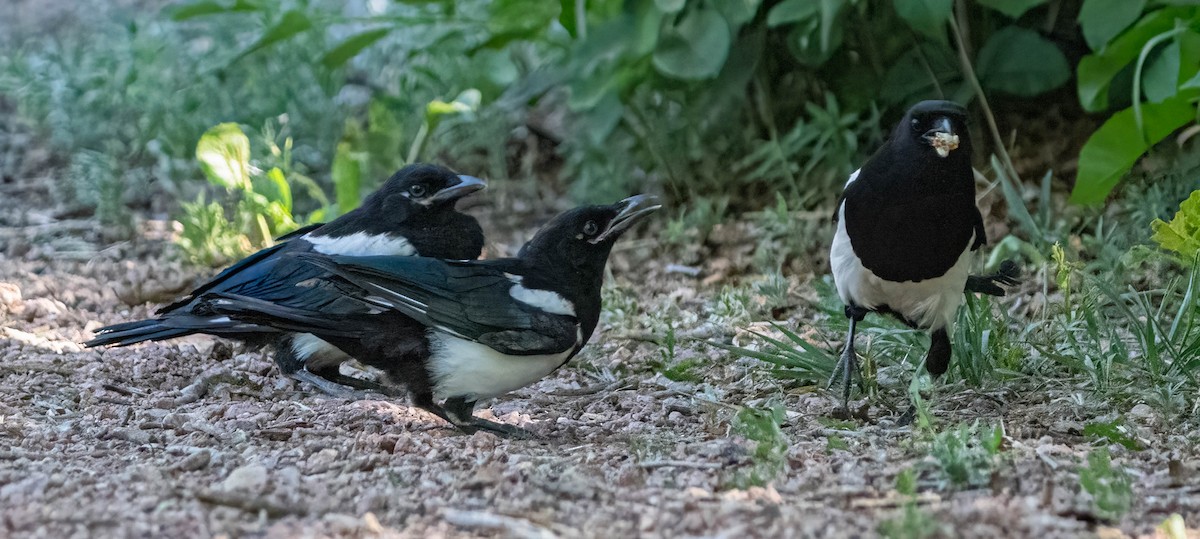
906, 226
459, 330
412, 213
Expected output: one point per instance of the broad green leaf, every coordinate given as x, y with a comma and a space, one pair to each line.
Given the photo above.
1095, 72
1113, 149
830, 9
567, 18
275, 175
790, 11
1182, 233
291, 23
1012, 8
350, 48
346, 173
224, 155
1191, 84
926, 16
1018, 61
908, 79
203, 8
669, 6
1102, 20
695, 48
805, 42
1160, 80
521, 18
738, 12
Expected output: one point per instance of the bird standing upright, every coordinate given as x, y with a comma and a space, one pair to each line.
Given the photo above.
412, 213
459, 330
906, 226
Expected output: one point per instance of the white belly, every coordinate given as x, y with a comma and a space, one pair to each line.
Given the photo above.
931, 303
463, 368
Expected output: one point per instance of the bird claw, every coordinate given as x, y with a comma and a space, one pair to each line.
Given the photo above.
500, 429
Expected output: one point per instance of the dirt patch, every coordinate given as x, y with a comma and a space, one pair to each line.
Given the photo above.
195, 437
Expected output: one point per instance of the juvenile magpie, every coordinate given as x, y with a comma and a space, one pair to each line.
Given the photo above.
906, 226
412, 213
459, 330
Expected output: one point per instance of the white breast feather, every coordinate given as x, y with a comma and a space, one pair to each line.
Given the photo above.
931, 303
361, 244
463, 368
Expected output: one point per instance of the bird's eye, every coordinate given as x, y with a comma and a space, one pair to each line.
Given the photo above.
590, 228
417, 191
916, 124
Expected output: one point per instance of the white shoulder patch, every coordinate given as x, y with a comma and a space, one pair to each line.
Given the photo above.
545, 300
853, 176
361, 244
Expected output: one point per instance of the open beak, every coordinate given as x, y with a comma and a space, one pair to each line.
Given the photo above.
465, 186
942, 137
633, 209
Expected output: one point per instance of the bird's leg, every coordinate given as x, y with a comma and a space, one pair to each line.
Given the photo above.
459, 412
847, 365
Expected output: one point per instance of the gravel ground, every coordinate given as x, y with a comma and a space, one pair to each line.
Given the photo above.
197, 437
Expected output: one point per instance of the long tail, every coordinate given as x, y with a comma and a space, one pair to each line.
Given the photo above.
1007, 274
171, 326
259, 313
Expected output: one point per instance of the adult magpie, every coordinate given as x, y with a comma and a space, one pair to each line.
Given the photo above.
906, 226
412, 213
458, 330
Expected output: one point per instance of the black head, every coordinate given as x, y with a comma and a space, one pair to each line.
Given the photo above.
937, 129
583, 237
422, 187
416, 196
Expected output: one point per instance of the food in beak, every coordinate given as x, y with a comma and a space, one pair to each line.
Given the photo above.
944, 143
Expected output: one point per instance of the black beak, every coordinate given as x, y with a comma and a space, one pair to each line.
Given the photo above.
465, 186
633, 209
940, 125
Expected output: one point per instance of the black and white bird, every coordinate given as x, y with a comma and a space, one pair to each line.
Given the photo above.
907, 224
461, 331
411, 214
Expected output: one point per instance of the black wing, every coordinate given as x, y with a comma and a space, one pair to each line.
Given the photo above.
245, 270
469, 300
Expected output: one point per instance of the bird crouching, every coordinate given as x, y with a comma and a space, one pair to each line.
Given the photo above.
907, 226
412, 213
460, 331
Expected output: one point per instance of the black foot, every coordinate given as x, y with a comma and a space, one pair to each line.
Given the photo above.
1007, 274
458, 412
847, 370
343, 386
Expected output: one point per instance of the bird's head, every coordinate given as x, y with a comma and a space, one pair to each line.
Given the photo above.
938, 127
583, 237
421, 187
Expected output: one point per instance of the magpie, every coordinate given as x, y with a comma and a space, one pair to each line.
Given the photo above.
906, 227
412, 213
461, 331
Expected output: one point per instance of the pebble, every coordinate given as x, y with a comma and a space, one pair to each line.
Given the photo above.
250, 478
195, 461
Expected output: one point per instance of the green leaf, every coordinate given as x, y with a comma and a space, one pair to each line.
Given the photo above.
275, 175
467, 102
350, 48
790, 11
520, 19
1113, 149
224, 155
1182, 233
695, 48
1102, 20
1096, 71
347, 178
738, 12
290, 24
1012, 8
204, 8
1018, 61
926, 16
566, 17
1160, 80
669, 6
1191, 84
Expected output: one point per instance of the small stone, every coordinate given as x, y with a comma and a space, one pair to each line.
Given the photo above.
195, 461
249, 478
1142, 410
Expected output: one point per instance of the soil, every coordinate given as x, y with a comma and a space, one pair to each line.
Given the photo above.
198, 437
